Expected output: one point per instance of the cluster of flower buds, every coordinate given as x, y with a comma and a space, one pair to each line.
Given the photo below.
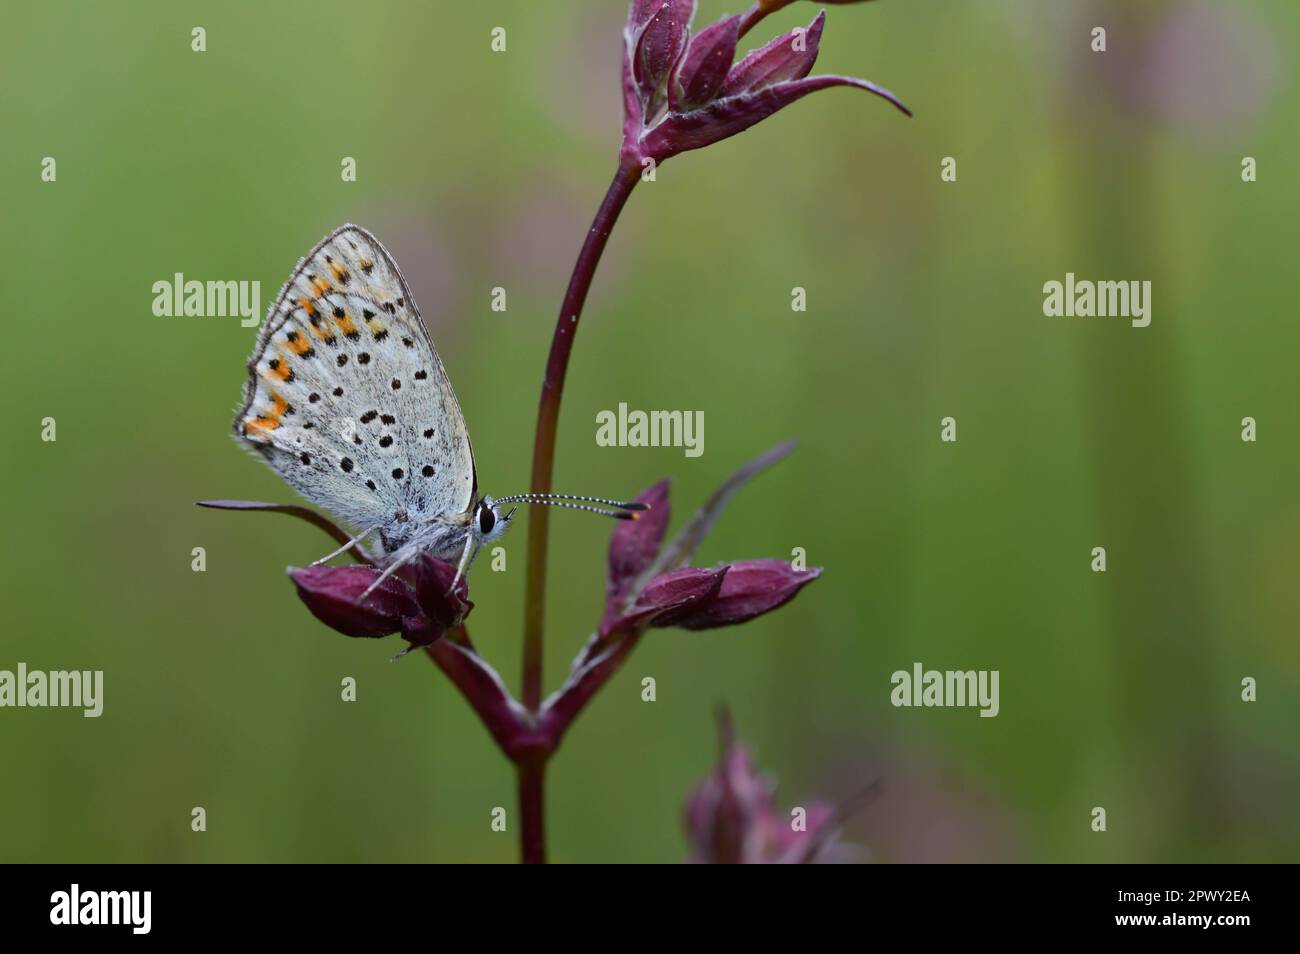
684, 91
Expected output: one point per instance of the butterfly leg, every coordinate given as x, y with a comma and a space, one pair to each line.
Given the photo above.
392, 568
347, 546
466, 561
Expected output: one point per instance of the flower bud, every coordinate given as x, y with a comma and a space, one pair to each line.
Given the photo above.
332, 594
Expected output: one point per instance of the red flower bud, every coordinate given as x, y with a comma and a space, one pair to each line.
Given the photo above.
634, 545
332, 593
659, 47
414, 601
750, 588
704, 69
666, 599
788, 57
432, 582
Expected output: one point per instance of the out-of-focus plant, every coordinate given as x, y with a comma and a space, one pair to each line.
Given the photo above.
731, 817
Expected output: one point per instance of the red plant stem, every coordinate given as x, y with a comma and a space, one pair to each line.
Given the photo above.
482, 688
531, 763
548, 413
749, 18
583, 685
532, 810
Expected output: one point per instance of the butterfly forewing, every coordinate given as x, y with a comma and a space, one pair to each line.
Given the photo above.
347, 398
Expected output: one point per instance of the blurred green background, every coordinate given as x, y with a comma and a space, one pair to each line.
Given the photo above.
481, 169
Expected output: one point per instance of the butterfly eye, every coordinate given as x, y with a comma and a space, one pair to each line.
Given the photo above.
486, 519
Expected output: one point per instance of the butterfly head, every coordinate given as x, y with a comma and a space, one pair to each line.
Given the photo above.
490, 522
487, 521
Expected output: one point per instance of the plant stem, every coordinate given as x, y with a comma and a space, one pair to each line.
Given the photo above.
749, 18
532, 810
531, 767
548, 413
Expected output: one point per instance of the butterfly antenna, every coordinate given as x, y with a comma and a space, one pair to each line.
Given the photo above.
560, 500
628, 514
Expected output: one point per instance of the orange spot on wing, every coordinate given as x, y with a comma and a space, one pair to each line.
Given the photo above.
320, 285
340, 273
300, 345
345, 324
313, 319
268, 420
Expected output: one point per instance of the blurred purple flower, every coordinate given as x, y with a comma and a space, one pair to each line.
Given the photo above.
1206, 72
682, 92
731, 817
1209, 70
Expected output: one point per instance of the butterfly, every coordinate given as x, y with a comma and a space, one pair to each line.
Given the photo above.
348, 401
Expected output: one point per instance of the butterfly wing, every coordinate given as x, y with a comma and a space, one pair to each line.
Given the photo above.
346, 397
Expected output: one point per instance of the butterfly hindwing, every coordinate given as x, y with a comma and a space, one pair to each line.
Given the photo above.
347, 398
